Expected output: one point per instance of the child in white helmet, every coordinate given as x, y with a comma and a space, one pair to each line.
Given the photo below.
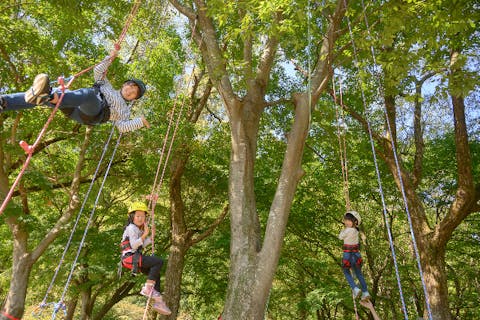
352, 260
90, 106
135, 238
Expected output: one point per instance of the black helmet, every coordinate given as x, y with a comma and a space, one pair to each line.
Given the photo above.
141, 86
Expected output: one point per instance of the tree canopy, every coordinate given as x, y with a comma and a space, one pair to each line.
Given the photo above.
253, 194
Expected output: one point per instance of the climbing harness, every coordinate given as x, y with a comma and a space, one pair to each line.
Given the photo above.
131, 259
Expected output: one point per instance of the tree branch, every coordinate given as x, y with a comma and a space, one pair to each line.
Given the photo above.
187, 12
72, 205
323, 69
211, 228
216, 64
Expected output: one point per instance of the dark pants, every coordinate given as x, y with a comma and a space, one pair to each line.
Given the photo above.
151, 266
82, 105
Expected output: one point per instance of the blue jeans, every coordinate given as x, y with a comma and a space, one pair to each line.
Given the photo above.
353, 261
78, 105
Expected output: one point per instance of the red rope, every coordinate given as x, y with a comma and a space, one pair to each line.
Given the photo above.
10, 316
132, 14
29, 149
153, 197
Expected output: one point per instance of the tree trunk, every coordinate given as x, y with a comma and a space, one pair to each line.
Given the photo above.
179, 247
435, 276
252, 266
86, 308
22, 265
71, 306
244, 226
280, 209
173, 276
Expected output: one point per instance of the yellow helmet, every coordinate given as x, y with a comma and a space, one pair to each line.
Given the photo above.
137, 206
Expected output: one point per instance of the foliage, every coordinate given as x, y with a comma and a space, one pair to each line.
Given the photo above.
309, 283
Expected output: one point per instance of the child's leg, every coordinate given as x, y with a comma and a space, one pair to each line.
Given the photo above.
16, 101
346, 265
361, 279
349, 277
151, 266
84, 99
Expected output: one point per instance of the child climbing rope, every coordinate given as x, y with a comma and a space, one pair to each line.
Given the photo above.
91, 106
135, 238
351, 253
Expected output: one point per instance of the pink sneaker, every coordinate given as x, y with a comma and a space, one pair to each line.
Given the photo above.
161, 307
149, 291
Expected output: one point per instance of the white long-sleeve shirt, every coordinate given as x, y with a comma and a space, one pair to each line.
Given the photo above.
349, 236
134, 235
119, 109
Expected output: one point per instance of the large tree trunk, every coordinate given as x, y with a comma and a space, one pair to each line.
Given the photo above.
22, 265
253, 265
280, 209
244, 226
180, 238
435, 275
431, 252
173, 276
180, 235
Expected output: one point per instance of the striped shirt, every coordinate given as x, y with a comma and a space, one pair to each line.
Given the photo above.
119, 109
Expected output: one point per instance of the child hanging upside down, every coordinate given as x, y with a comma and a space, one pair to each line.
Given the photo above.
135, 238
351, 253
90, 106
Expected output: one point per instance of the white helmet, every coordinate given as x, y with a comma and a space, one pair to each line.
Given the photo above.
356, 215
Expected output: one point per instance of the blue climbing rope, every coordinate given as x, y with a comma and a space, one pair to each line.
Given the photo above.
44, 303
402, 187
379, 180
92, 213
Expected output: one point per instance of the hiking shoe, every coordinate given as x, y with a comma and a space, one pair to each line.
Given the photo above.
39, 93
365, 295
356, 292
149, 291
161, 307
